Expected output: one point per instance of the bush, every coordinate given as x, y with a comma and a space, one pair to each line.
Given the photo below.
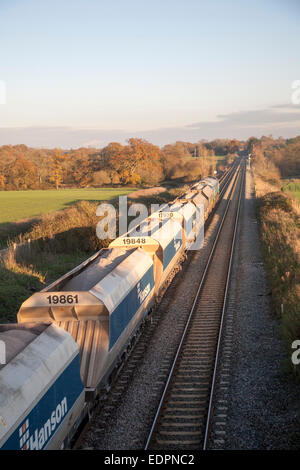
280, 231
101, 177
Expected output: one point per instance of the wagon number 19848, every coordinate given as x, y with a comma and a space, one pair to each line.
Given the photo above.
134, 241
63, 299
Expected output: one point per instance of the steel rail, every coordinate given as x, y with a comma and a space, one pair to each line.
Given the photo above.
155, 422
217, 357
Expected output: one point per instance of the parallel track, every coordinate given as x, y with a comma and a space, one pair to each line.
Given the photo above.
185, 411
113, 392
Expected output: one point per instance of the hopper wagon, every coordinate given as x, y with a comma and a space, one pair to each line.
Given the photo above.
74, 334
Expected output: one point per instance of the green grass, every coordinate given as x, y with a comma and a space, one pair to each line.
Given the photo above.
293, 186
18, 282
218, 159
297, 194
18, 205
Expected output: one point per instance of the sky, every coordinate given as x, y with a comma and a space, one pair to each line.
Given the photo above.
86, 72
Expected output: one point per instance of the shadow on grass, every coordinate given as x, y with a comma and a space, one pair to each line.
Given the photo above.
10, 230
83, 239
15, 287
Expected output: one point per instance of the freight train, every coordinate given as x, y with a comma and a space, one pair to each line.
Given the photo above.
71, 336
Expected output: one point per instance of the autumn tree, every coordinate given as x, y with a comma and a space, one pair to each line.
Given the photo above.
233, 146
57, 169
253, 143
21, 174
139, 162
2, 176
135, 158
2, 181
100, 178
110, 151
42, 161
81, 173
173, 161
288, 160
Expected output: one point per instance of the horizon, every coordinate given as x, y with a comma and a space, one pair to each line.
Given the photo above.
125, 142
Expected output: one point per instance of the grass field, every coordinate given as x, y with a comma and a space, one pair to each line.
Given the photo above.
218, 159
294, 187
18, 205
65, 239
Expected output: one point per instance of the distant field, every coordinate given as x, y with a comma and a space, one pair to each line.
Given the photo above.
18, 205
218, 159
293, 186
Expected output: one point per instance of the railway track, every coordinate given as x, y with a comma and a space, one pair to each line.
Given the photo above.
97, 429
185, 411
91, 377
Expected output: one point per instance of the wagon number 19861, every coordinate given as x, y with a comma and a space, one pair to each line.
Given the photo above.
63, 299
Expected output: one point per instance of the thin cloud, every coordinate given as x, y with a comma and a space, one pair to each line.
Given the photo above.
241, 125
254, 118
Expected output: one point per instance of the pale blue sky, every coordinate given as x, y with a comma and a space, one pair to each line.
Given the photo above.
81, 72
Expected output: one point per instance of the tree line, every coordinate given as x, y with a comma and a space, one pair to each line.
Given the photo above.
139, 162
278, 156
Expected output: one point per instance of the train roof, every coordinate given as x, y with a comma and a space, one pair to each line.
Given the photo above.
96, 270
17, 336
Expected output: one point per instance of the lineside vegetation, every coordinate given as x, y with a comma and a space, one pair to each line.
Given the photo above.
59, 242
279, 215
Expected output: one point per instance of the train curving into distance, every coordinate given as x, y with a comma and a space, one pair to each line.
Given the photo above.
71, 336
